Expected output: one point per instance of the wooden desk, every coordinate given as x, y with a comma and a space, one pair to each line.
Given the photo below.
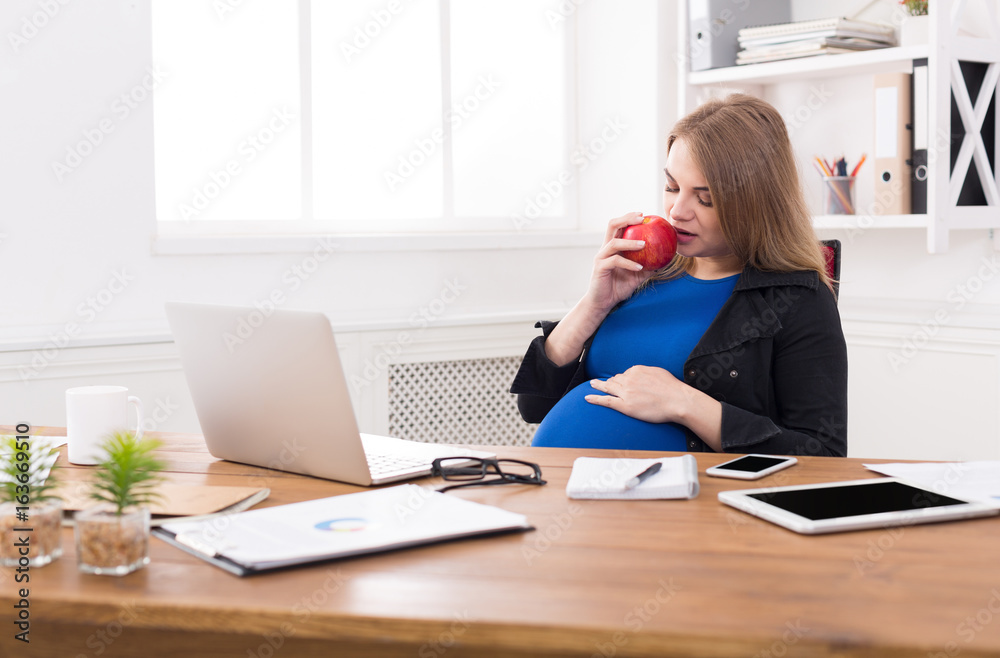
597, 578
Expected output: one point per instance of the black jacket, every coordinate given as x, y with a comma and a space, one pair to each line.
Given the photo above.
774, 356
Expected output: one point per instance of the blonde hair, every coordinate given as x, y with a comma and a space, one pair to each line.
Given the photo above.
741, 146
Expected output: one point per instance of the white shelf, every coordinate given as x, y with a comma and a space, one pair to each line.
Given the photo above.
870, 62
950, 27
865, 222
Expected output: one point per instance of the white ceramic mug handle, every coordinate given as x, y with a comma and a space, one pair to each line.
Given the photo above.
138, 413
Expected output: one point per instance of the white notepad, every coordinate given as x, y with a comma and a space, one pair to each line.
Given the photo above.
605, 478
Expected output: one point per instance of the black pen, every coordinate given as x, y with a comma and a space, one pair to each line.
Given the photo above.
652, 470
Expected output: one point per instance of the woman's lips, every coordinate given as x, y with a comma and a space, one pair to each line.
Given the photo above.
683, 237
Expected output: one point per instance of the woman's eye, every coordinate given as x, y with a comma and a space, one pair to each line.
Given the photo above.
672, 190
707, 204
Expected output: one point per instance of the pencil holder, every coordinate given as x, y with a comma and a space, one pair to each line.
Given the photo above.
838, 195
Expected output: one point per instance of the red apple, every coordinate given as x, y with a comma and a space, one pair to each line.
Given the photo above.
661, 242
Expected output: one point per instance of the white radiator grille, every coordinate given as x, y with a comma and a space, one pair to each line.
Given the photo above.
462, 401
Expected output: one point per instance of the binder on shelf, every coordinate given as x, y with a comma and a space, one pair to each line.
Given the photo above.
715, 24
920, 138
892, 144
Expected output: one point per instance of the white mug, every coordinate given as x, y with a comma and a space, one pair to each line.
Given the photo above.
94, 412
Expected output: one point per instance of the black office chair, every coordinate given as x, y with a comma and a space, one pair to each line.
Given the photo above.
831, 249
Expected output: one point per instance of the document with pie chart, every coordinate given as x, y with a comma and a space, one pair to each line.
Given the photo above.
336, 527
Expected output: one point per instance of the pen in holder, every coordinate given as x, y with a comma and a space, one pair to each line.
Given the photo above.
838, 195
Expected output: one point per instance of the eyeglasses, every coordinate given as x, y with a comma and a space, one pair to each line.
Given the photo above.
472, 471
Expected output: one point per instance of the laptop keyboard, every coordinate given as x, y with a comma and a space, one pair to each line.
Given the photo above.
384, 465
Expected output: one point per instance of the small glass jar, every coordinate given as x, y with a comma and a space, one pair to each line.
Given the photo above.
110, 544
34, 539
838, 195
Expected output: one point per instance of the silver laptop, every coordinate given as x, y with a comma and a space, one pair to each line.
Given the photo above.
269, 390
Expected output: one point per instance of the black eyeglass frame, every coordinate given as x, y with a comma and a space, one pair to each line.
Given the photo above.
474, 474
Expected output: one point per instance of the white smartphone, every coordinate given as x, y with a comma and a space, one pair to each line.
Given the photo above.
750, 467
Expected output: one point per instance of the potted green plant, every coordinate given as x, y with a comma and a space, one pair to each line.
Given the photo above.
112, 538
30, 512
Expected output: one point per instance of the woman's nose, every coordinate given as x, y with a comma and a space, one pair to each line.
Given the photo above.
681, 210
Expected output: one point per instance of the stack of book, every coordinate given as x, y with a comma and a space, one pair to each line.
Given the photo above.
825, 36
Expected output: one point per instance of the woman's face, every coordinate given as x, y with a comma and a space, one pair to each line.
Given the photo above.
688, 206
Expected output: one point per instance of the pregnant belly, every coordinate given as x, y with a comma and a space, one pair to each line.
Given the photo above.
575, 423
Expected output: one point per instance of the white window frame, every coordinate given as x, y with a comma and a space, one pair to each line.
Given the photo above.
302, 235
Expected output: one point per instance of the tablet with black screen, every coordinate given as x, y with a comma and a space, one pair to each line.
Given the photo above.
853, 505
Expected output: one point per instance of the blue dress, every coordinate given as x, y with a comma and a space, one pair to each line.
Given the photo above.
658, 326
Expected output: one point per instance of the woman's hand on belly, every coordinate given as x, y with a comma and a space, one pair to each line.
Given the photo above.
656, 396
644, 392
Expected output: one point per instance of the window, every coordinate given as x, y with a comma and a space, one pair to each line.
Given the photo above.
362, 116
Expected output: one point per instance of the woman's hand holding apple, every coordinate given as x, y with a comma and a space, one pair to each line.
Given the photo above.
615, 277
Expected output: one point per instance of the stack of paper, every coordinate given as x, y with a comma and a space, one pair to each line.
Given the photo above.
975, 480
807, 38
604, 478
